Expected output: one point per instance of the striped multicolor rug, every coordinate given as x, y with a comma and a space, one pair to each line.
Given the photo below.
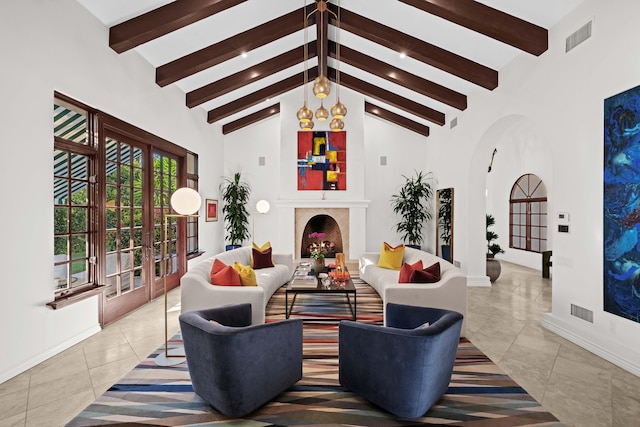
480, 394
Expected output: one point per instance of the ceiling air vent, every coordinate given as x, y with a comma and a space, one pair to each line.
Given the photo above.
582, 34
453, 123
582, 313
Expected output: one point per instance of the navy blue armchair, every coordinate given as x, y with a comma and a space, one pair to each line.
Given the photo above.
404, 367
238, 367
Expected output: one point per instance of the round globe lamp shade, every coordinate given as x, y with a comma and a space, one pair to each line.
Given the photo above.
322, 113
262, 206
306, 125
186, 201
321, 86
338, 111
305, 114
336, 125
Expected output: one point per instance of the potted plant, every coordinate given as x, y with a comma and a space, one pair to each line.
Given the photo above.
445, 224
318, 251
235, 196
493, 265
413, 203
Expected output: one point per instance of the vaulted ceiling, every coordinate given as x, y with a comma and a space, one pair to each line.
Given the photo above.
416, 62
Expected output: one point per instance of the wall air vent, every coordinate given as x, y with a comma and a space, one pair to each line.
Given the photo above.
582, 313
582, 34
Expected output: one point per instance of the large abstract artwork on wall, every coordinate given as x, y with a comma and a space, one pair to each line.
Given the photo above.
621, 204
322, 160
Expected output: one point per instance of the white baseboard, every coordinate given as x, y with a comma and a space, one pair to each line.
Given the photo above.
559, 327
7, 375
479, 281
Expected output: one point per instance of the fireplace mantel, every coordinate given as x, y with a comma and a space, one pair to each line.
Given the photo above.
315, 203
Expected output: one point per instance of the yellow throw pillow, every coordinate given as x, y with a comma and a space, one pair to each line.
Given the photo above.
263, 247
391, 257
247, 275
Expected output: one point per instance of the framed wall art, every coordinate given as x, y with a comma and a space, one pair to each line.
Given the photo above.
322, 160
621, 202
211, 210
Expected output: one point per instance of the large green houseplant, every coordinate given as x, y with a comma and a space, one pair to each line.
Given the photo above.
493, 265
235, 196
413, 204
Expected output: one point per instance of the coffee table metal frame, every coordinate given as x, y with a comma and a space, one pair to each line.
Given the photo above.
347, 289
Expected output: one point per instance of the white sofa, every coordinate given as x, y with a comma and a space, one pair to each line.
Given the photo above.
197, 292
449, 293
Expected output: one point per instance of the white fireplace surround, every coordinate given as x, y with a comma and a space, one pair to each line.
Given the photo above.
353, 232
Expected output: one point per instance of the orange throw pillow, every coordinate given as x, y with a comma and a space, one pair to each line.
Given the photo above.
407, 270
216, 267
226, 277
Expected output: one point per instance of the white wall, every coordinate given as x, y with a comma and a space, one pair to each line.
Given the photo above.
49, 46
550, 108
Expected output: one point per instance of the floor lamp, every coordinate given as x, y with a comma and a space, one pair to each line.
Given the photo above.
262, 207
186, 203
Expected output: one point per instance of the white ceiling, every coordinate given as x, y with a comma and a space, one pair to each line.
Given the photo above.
405, 18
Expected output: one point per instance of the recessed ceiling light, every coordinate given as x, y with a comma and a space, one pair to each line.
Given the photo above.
403, 55
244, 54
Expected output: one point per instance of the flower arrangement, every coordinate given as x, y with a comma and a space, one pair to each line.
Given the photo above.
318, 249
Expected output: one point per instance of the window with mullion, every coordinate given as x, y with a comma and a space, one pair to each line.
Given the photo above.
74, 159
527, 214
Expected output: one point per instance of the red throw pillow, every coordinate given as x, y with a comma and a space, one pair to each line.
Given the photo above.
430, 274
261, 259
216, 267
226, 277
407, 269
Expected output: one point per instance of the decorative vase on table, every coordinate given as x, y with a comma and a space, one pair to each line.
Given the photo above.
318, 264
318, 250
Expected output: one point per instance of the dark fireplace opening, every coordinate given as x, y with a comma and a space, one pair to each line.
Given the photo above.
332, 240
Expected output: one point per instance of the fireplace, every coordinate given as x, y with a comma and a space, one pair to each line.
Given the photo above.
333, 223
349, 215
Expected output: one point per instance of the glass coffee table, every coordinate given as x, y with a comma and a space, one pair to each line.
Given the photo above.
345, 287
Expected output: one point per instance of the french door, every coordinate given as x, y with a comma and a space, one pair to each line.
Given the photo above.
138, 184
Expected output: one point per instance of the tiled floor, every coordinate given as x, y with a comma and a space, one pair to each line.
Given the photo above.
504, 321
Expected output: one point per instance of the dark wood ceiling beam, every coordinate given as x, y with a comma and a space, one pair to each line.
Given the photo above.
388, 97
251, 119
322, 39
259, 96
488, 21
396, 119
231, 47
249, 75
163, 20
399, 77
417, 49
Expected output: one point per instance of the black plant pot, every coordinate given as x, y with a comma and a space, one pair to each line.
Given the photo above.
414, 246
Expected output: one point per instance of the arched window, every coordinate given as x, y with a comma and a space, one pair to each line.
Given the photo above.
528, 214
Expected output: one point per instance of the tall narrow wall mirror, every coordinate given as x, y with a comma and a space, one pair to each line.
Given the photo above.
444, 224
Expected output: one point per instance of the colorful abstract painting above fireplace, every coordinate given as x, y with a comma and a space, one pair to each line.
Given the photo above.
322, 160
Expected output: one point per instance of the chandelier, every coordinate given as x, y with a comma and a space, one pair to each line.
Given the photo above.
321, 85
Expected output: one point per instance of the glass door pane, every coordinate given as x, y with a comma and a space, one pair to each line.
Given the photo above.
125, 268
165, 243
